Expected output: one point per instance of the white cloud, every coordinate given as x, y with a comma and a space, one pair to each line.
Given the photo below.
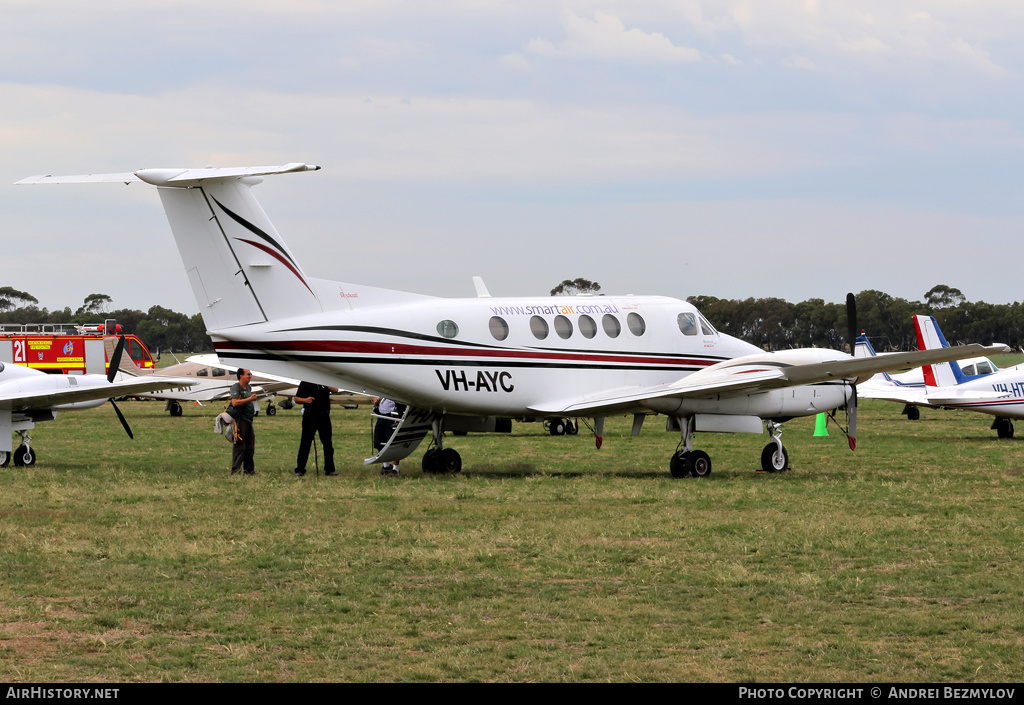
606, 38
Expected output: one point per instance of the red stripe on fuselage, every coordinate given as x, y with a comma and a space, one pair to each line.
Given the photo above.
377, 348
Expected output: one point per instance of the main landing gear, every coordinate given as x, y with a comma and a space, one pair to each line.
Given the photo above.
1003, 426
439, 460
687, 462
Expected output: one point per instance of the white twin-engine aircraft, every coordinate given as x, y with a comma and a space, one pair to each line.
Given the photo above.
461, 363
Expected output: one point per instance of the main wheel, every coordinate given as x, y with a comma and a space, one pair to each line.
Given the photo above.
677, 465
913, 413
572, 428
5, 458
774, 461
430, 461
450, 462
24, 455
699, 463
1003, 427
556, 427
271, 410
175, 409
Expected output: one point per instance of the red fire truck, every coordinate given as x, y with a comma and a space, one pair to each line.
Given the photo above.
66, 348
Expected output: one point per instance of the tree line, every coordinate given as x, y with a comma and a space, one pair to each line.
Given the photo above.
776, 324
161, 329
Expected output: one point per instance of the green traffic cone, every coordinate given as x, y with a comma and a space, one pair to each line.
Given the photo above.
820, 425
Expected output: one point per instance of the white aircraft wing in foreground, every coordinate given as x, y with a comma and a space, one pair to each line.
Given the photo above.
29, 396
463, 362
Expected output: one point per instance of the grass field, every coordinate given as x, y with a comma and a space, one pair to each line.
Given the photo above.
545, 560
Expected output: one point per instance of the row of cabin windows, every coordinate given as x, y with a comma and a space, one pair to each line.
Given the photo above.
217, 372
689, 324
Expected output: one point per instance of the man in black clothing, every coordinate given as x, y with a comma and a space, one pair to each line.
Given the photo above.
316, 418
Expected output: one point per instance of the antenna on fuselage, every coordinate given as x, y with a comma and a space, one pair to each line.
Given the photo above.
481, 288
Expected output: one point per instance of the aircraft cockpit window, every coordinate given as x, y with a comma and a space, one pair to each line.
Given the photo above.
611, 325
499, 328
587, 326
218, 372
539, 328
563, 326
204, 372
687, 323
636, 324
706, 328
447, 329
968, 370
985, 368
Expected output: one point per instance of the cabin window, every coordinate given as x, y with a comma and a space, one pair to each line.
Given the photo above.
218, 372
563, 326
985, 368
587, 326
447, 329
706, 328
968, 370
203, 372
611, 325
499, 328
636, 324
539, 328
687, 323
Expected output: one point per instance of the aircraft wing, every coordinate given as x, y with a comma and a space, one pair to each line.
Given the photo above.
83, 388
761, 373
954, 397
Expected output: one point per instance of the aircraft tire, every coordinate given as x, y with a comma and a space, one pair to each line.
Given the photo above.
913, 413
24, 455
449, 461
430, 461
699, 463
1003, 427
5, 458
556, 427
175, 409
771, 461
572, 429
677, 467
271, 410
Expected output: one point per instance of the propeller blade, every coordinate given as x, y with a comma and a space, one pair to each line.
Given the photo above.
115, 364
851, 321
851, 412
851, 337
123, 422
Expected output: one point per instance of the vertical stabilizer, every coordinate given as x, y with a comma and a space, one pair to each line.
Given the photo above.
240, 270
929, 337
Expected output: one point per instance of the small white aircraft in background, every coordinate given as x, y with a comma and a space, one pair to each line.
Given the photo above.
974, 384
460, 363
210, 382
28, 397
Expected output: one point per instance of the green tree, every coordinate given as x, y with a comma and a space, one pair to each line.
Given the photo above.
11, 298
579, 285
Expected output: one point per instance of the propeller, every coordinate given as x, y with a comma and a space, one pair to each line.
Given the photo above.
851, 336
115, 365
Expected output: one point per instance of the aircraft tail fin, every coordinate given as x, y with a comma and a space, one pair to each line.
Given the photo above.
930, 337
240, 270
864, 348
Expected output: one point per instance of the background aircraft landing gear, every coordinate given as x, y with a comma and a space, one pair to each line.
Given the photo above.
271, 409
174, 408
1003, 426
5, 458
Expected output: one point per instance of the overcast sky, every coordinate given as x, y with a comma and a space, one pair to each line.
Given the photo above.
786, 148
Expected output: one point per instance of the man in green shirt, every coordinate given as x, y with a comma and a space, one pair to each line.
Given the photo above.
243, 400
